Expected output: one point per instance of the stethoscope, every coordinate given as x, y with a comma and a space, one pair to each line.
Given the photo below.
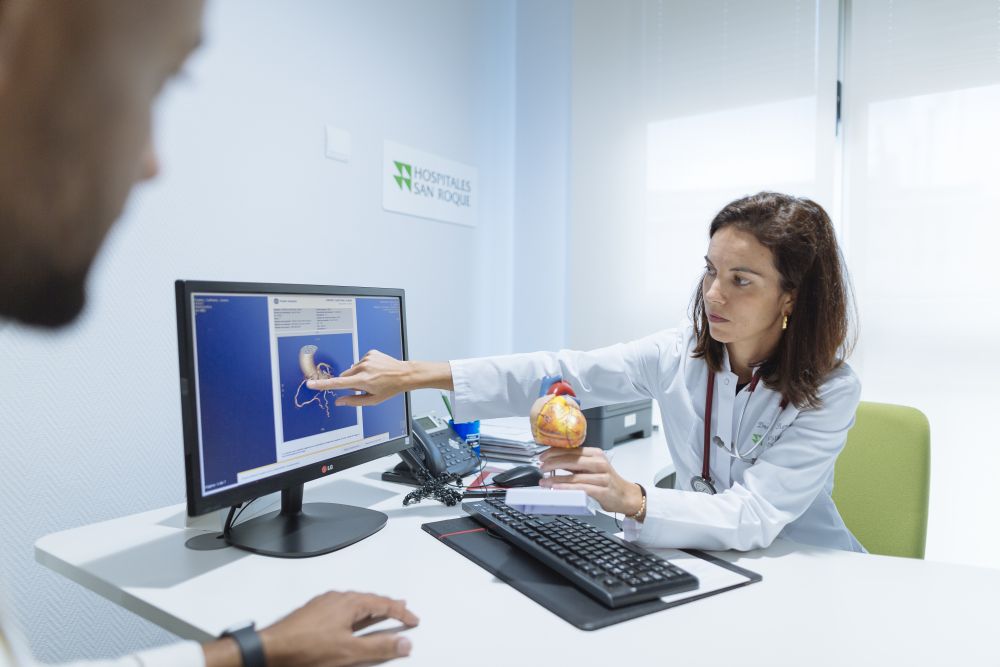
703, 483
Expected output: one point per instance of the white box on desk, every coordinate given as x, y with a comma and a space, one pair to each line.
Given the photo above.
534, 500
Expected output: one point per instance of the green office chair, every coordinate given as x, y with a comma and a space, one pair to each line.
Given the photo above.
882, 479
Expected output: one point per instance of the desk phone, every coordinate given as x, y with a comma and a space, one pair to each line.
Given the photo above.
436, 449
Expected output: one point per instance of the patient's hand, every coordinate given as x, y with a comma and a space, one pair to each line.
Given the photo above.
322, 632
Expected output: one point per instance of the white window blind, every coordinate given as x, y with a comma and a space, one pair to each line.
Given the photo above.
922, 203
681, 106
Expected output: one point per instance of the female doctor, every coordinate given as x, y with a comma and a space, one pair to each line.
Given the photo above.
755, 396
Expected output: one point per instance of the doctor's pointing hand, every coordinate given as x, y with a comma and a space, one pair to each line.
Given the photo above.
755, 394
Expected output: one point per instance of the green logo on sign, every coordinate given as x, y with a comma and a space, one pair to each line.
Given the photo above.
404, 176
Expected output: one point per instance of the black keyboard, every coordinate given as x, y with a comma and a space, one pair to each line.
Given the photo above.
607, 568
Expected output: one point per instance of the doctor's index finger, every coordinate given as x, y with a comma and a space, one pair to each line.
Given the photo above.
327, 384
355, 369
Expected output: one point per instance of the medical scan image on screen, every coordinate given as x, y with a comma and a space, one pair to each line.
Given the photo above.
254, 355
304, 411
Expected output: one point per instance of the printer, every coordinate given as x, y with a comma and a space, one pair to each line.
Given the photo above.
609, 425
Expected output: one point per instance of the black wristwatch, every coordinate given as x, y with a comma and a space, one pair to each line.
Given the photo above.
251, 647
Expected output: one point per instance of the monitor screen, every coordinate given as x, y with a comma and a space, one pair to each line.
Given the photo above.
250, 351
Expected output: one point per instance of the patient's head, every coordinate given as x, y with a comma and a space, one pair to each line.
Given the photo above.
77, 83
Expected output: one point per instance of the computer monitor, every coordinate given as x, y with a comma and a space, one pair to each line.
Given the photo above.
253, 427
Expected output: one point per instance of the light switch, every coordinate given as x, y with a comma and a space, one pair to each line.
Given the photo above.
338, 143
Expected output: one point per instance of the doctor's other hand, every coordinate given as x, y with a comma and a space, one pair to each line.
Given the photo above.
322, 632
379, 377
591, 472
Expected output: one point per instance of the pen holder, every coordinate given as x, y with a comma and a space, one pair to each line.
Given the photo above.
468, 431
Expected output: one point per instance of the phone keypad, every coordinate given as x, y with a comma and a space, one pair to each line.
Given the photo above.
459, 460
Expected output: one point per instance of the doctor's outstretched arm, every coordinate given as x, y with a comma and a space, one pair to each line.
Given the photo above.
503, 386
507, 385
380, 377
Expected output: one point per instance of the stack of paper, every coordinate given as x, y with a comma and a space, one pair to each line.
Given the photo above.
508, 439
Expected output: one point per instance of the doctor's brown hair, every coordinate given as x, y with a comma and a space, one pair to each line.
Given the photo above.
819, 337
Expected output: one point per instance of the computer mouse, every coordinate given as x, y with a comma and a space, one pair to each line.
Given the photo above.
519, 476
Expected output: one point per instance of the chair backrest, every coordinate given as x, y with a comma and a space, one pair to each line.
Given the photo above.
882, 479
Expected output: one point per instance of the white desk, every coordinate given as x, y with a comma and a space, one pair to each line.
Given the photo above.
814, 607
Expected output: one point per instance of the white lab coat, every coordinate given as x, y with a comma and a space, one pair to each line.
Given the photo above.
786, 492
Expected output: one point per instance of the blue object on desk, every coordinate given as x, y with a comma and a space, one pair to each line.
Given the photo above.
468, 431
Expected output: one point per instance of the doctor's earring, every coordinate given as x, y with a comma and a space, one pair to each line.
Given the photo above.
784, 323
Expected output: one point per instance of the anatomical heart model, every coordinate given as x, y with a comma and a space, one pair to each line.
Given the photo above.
556, 421
556, 418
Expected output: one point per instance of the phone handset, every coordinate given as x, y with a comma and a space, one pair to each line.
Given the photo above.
438, 449
423, 456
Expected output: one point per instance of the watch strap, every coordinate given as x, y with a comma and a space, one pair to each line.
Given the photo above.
251, 647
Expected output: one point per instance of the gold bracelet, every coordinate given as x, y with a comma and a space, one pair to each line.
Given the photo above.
642, 507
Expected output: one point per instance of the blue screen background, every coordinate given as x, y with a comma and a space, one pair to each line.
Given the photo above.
234, 386
234, 381
380, 328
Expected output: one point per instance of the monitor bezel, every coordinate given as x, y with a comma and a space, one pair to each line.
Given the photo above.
198, 503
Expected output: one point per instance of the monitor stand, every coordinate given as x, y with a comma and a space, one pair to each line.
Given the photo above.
299, 531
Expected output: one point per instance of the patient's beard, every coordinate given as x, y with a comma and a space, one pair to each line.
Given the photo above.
47, 299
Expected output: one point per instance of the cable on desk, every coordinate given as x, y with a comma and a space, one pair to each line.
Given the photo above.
444, 487
487, 491
435, 486
231, 520
245, 505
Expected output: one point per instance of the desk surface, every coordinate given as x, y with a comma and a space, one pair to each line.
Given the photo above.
814, 607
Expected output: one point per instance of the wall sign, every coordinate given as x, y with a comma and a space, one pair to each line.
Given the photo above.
429, 186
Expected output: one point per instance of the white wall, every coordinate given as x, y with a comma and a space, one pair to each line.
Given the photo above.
542, 174
91, 419
606, 244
